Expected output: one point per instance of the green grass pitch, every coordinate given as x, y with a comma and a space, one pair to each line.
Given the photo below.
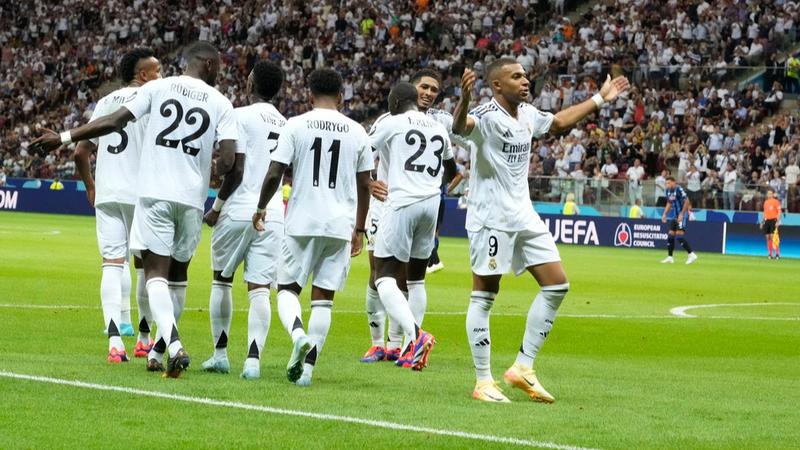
625, 372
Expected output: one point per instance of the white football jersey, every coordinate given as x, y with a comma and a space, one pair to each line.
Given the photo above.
118, 153
446, 119
498, 185
187, 117
326, 150
260, 126
414, 145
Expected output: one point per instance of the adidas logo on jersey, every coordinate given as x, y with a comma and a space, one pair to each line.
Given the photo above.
508, 134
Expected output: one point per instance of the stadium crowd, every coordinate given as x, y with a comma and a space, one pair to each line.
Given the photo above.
685, 110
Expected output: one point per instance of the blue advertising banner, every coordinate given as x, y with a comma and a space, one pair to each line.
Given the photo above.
743, 239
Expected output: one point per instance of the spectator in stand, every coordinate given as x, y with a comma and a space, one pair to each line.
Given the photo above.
2, 177
609, 169
693, 186
730, 177
661, 188
635, 175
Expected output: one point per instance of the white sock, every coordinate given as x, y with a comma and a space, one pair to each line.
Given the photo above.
480, 305
110, 298
177, 293
318, 325
220, 308
396, 306
159, 347
395, 332
258, 321
163, 314
540, 321
145, 317
417, 299
376, 315
290, 313
125, 309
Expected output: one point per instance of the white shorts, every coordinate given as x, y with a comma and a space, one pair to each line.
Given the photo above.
166, 228
114, 229
495, 252
326, 259
260, 257
377, 210
408, 232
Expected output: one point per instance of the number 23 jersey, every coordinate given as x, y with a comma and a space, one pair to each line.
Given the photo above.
187, 116
414, 146
327, 150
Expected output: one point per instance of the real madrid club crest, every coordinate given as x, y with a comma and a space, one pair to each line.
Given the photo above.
492, 264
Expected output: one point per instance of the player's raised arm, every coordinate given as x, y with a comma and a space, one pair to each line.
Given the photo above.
363, 181
81, 158
567, 118
51, 140
462, 124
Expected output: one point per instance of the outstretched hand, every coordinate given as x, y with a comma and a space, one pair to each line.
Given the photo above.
612, 88
47, 142
467, 82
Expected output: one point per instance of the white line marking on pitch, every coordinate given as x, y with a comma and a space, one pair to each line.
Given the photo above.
459, 313
293, 412
680, 311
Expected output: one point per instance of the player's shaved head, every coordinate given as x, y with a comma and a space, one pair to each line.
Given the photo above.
402, 98
131, 63
325, 83
202, 50
494, 68
267, 79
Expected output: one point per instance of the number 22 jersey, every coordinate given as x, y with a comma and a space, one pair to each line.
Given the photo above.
327, 150
187, 116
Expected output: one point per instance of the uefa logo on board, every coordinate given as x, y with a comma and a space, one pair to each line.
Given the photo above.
623, 236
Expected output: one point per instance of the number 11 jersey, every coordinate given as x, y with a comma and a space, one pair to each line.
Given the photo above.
326, 149
187, 116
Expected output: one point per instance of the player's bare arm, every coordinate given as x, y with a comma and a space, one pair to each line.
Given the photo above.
51, 140
667, 207
232, 181
271, 183
450, 172
462, 124
457, 179
363, 182
379, 190
81, 158
684, 209
566, 119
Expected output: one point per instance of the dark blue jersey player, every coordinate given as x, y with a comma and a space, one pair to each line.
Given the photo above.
677, 213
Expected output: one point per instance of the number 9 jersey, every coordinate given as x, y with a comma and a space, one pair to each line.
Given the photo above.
326, 149
414, 146
187, 116
118, 153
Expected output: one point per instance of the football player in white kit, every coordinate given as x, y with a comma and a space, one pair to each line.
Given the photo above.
187, 117
505, 233
427, 82
332, 161
415, 148
234, 240
114, 197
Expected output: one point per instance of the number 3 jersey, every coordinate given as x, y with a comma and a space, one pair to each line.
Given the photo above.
118, 153
498, 190
187, 116
260, 125
326, 150
413, 145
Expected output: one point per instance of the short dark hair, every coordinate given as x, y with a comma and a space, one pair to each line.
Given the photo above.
431, 73
325, 82
670, 178
202, 49
127, 66
496, 65
267, 79
402, 96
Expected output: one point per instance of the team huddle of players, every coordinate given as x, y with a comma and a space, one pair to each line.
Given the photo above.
155, 138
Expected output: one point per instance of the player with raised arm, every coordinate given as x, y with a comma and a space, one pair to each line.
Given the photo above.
416, 148
114, 198
505, 233
259, 127
331, 164
186, 117
427, 83
676, 212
